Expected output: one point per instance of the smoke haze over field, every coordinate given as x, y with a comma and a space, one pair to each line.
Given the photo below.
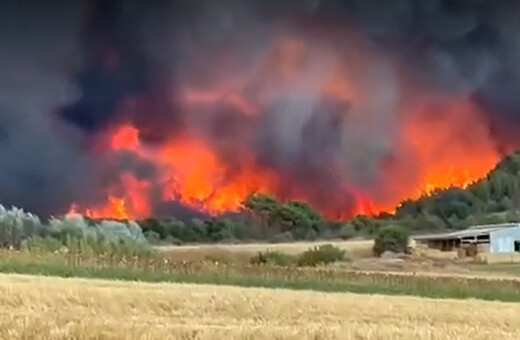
135, 108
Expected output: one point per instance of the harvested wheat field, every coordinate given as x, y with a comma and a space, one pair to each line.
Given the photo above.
355, 248
290, 248
56, 308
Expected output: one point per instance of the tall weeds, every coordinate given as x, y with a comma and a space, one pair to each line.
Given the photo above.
152, 267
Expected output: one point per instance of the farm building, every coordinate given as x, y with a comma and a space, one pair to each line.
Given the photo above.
494, 243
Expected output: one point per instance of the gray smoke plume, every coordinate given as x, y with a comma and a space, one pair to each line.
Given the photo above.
69, 70
40, 169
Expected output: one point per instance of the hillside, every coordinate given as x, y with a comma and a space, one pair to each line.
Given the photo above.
493, 199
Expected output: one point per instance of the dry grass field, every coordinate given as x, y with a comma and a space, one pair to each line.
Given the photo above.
55, 308
355, 249
359, 251
353, 246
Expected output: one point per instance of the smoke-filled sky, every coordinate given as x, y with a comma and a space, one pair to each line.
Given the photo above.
342, 104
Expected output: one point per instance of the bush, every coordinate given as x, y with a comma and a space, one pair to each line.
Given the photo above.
115, 232
217, 230
391, 238
323, 254
76, 227
273, 258
346, 231
80, 235
282, 237
42, 244
153, 225
152, 237
173, 241
305, 234
17, 225
364, 224
495, 218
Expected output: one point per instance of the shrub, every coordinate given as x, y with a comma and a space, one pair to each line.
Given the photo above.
129, 232
364, 224
273, 258
301, 233
156, 226
173, 241
346, 231
308, 235
282, 237
495, 218
221, 230
391, 238
79, 235
17, 225
70, 227
76, 227
42, 244
152, 237
323, 254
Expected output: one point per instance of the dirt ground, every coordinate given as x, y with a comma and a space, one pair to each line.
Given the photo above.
359, 254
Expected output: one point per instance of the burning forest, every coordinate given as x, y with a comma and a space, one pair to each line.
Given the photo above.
128, 109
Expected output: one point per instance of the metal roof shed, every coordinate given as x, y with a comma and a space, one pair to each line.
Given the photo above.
505, 240
501, 238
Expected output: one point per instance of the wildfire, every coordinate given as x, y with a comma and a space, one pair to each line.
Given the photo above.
116, 208
190, 172
125, 138
452, 145
438, 146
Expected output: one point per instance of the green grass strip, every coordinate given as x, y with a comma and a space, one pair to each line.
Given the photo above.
432, 291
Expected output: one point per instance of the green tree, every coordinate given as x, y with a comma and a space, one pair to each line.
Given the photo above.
260, 209
261, 203
391, 238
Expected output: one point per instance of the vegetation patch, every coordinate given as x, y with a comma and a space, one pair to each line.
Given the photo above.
274, 258
156, 269
323, 254
392, 238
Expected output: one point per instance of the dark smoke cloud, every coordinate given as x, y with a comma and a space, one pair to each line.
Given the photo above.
113, 69
38, 47
70, 69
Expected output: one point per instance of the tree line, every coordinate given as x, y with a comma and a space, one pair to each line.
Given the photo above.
493, 199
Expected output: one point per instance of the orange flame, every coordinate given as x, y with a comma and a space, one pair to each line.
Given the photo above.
442, 142
125, 138
452, 144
